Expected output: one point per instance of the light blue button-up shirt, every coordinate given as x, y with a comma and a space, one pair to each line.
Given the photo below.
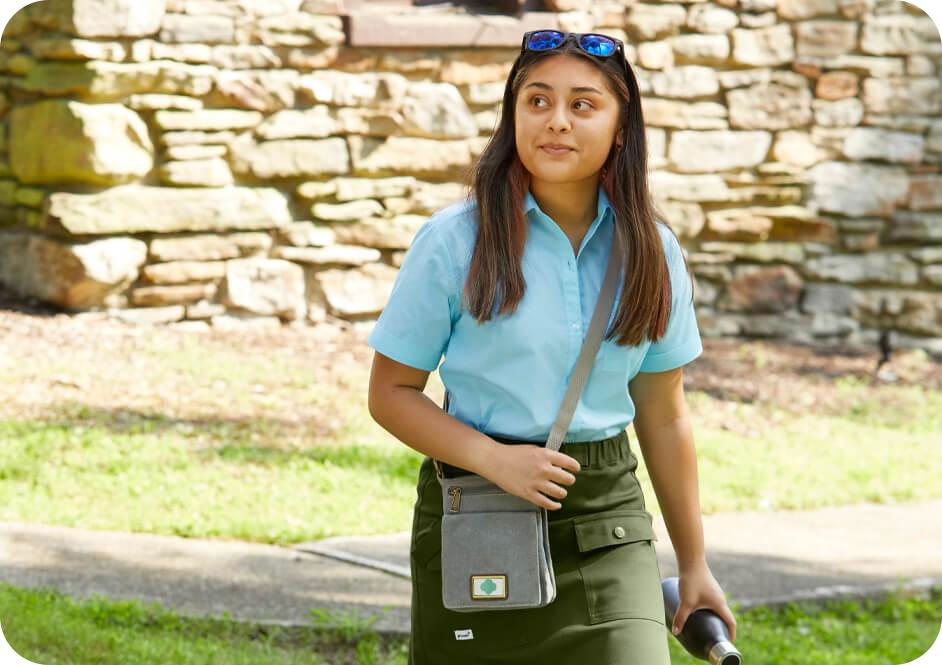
507, 376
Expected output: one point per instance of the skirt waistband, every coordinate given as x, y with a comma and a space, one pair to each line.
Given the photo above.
589, 454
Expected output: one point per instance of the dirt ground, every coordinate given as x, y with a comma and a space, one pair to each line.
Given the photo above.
33, 334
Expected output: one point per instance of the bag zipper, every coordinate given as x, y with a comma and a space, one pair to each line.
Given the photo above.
455, 493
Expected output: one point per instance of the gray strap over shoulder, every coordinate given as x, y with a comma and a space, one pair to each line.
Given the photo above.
590, 346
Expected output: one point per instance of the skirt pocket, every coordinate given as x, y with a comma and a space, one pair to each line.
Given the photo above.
618, 565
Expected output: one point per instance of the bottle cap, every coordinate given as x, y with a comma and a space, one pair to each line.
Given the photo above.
724, 652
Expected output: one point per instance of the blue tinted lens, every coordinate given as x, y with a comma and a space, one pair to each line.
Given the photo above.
597, 44
545, 39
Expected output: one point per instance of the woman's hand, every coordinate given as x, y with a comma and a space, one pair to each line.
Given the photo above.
534, 473
698, 588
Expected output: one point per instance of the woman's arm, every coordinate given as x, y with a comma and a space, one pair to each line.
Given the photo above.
665, 436
663, 428
396, 402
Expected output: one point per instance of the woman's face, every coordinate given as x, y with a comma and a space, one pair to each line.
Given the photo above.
565, 100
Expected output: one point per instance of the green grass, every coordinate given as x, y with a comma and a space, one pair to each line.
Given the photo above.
882, 452
266, 479
274, 443
50, 628
214, 479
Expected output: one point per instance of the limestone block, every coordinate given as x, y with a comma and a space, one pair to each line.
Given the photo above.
395, 233
290, 158
925, 192
406, 155
769, 46
683, 187
209, 247
143, 209
703, 152
915, 312
177, 294
918, 227
272, 287
866, 143
825, 38
823, 297
348, 255
903, 95
900, 34
205, 29
100, 18
372, 90
762, 289
703, 49
351, 189
346, 212
647, 22
857, 190
307, 234
797, 10
710, 18
836, 85
207, 119
315, 122
841, 113
100, 144
769, 106
679, 115
212, 172
76, 276
68, 48
883, 267
358, 292
101, 81
436, 110
181, 272
685, 81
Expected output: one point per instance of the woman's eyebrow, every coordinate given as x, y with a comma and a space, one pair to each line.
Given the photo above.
540, 84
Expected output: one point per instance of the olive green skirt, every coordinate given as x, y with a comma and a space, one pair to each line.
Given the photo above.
609, 608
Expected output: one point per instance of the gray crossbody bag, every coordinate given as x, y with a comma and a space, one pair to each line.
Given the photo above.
495, 545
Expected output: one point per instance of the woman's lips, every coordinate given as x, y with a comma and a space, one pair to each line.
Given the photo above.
555, 151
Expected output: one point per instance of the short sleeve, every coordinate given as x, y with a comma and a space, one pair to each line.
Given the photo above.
416, 322
681, 342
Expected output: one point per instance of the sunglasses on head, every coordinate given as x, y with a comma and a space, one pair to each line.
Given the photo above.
600, 46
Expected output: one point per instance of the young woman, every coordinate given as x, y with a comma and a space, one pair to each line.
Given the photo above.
504, 284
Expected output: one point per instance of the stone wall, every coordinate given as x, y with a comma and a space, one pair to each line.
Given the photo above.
262, 162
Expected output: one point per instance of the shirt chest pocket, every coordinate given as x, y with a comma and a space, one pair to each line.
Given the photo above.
612, 358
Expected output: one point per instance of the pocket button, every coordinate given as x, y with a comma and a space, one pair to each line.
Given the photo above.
619, 532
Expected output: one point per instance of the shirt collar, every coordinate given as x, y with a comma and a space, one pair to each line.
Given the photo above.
529, 203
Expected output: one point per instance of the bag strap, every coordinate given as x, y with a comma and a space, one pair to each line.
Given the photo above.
590, 346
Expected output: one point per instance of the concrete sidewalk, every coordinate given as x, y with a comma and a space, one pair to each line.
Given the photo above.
759, 558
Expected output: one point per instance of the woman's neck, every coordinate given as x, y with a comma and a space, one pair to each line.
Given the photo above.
572, 206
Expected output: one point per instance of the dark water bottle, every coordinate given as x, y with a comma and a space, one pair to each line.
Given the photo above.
704, 634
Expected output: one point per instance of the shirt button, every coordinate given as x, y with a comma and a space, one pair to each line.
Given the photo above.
619, 532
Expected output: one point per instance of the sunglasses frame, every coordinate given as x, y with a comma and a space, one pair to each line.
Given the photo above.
576, 36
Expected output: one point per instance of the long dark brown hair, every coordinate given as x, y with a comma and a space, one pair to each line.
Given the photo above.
496, 272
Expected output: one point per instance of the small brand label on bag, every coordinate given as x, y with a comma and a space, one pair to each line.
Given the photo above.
466, 634
488, 587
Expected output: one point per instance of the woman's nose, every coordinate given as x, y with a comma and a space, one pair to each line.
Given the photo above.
559, 120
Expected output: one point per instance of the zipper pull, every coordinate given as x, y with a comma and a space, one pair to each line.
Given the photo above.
455, 498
